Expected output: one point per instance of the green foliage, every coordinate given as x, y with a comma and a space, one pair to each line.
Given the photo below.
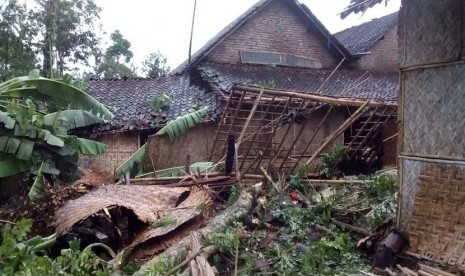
180, 125
331, 257
26, 257
296, 218
160, 102
233, 195
159, 268
70, 29
162, 222
155, 66
329, 167
18, 28
116, 58
383, 186
35, 123
228, 240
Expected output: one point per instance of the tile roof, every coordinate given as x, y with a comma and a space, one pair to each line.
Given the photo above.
197, 57
344, 83
132, 100
359, 39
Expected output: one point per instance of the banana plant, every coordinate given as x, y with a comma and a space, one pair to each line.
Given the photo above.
181, 124
37, 117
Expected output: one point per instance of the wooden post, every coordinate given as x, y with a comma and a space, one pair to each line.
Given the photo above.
188, 164
230, 154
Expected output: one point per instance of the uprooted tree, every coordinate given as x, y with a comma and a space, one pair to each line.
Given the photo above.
37, 116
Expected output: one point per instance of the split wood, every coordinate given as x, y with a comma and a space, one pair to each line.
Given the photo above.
433, 270
207, 250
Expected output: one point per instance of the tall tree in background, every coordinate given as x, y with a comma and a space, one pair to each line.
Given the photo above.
116, 59
155, 65
69, 31
17, 32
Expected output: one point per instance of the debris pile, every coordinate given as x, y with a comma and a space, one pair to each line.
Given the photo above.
130, 217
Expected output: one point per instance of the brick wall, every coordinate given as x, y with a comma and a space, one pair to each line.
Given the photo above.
120, 147
278, 29
384, 54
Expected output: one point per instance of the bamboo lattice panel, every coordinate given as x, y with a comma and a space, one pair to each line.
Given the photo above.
433, 112
437, 225
430, 31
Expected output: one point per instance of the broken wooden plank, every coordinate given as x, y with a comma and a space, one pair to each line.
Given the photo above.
433, 270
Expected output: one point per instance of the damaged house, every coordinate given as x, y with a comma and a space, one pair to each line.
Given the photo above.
277, 80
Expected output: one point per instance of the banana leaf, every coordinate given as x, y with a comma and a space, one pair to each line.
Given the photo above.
38, 184
179, 171
86, 146
180, 125
11, 166
63, 121
62, 94
128, 165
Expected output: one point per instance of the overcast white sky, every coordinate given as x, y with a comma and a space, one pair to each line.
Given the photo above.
164, 25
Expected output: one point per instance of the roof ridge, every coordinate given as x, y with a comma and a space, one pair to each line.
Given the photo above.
235, 24
367, 23
358, 39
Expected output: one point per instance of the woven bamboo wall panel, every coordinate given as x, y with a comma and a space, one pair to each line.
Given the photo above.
411, 171
434, 115
432, 33
437, 225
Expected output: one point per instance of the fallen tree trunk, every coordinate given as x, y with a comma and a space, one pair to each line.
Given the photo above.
178, 253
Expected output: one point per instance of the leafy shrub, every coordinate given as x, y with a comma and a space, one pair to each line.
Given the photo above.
329, 166
23, 257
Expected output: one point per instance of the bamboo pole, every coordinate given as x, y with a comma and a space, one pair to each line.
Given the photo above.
219, 127
361, 130
270, 138
284, 136
234, 118
375, 126
252, 112
319, 98
313, 137
295, 140
338, 132
256, 133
